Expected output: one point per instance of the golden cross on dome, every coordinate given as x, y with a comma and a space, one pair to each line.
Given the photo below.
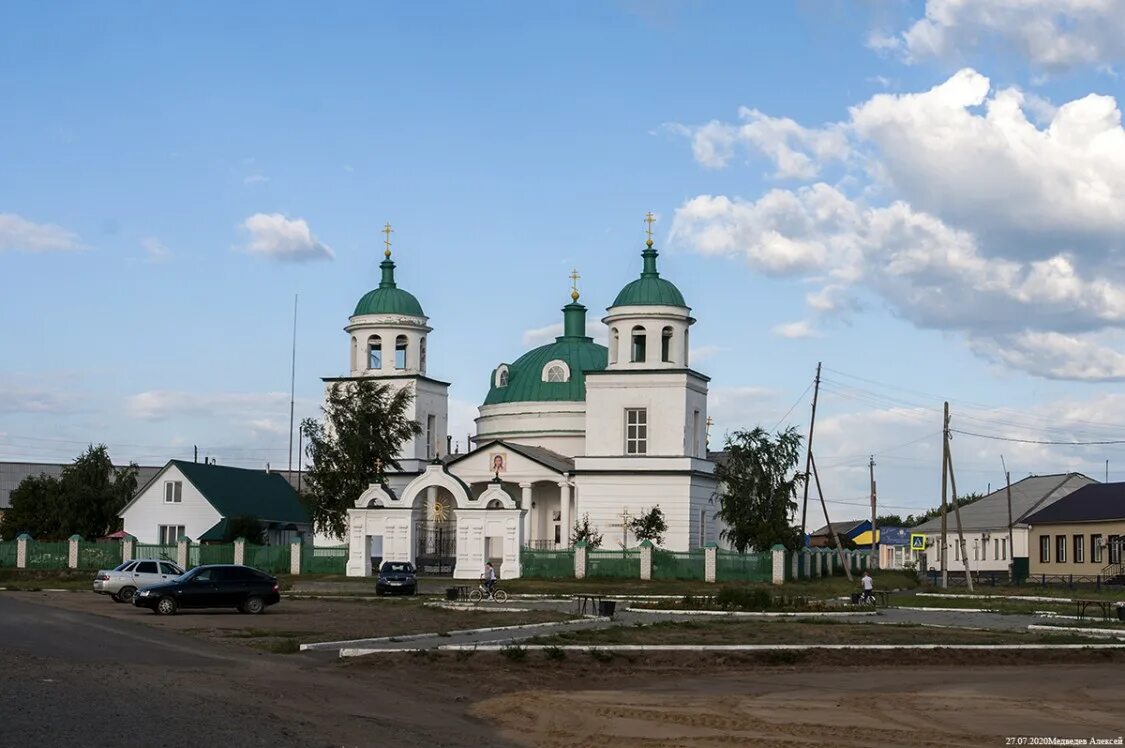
574, 276
649, 219
387, 230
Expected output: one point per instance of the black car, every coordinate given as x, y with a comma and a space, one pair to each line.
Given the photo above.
240, 587
396, 576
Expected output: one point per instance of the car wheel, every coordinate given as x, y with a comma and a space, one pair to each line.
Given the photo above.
125, 594
166, 606
253, 605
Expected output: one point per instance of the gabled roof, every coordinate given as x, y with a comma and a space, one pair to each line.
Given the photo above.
1092, 503
240, 492
1028, 495
843, 528
539, 455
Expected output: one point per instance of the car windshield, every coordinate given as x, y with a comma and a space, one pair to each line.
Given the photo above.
397, 568
121, 566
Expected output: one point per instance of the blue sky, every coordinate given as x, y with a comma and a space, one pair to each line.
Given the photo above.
509, 142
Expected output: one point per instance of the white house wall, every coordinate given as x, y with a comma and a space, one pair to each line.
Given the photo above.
990, 563
142, 519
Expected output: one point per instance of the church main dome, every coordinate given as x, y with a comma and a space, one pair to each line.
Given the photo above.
650, 289
552, 372
388, 298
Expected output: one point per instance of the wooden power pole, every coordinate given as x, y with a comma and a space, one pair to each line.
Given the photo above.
874, 561
808, 455
957, 507
942, 555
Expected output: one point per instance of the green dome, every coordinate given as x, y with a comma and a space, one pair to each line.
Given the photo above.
650, 289
388, 298
580, 353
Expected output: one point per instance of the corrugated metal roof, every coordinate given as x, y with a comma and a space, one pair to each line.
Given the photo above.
1028, 495
1091, 503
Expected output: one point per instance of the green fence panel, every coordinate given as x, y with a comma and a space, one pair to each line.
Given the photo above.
672, 565
273, 559
621, 564
152, 550
732, 566
211, 553
51, 555
547, 564
324, 559
8, 553
98, 555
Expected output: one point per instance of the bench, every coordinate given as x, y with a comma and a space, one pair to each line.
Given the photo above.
1081, 604
593, 600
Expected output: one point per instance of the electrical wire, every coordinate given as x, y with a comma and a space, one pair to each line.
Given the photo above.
1037, 441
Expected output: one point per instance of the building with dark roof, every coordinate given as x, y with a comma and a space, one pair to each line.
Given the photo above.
1081, 534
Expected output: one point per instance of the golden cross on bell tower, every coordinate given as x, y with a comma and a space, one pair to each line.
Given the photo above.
574, 276
387, 230
649, 219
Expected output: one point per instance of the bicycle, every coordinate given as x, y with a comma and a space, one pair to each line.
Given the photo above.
480, 593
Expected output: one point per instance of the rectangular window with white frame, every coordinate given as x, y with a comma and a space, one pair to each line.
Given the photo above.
1114, 544
171, 534
1044, 549
636, 431
173, 491
702, 527
1060, 549
1079, 549
1096, 548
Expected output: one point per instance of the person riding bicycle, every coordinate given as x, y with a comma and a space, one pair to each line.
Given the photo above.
868, 594
489, 577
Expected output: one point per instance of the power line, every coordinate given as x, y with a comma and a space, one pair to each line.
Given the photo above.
794, 405
1038, 441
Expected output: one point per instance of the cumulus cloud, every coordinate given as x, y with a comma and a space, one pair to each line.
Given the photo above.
155, 250
964, 215
19, 234
155, 405
799, 329
1054, 35
276, 237
542, 335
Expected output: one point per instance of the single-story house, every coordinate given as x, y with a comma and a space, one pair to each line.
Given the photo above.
1080, 534
894, 545
846, 530
985, 524
198, 500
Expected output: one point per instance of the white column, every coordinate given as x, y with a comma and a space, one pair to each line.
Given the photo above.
646, 560
240, 550
182, 552
778, 558
127, 544
295, 549
564, 514
21, 550
428, 512
710, 562
72, 551
525, 505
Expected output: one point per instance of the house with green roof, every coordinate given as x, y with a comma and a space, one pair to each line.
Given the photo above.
197, 500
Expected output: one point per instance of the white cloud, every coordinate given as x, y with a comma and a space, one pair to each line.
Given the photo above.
703, 352
16, 399
155, 249
799, 329
255, 179
1053, 35
276, 237
1056, 356
19, 234
537, 336
155, 405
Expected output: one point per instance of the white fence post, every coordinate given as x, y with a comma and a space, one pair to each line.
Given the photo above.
710, 562
646, 560
72, 551
778, 553
21, 550
296, 548
128, 543
580, 559
182, 552
240, 551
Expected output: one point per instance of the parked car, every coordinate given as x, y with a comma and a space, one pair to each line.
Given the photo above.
124, 580
396, 576
216, 586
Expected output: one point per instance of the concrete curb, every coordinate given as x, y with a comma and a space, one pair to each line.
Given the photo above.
471, 608
754, 613
1025, 598
1098, 633
949, 610
414, 637
770, 647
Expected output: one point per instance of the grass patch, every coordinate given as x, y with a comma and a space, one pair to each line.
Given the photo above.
601, 655
514, 652
554, 653
285, 646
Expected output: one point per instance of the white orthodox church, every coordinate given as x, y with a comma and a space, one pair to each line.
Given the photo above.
568, 429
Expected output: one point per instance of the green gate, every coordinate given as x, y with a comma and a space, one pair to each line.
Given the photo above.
324, 560
8, 553
99, 555
152, 550
678, 565
624, 564
731, 566
547, 564
273, 559
50, 555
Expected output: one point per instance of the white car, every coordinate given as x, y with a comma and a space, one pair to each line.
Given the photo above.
121, 583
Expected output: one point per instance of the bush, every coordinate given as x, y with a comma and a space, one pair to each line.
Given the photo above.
555, 653
514, 652
601, 655
740, 598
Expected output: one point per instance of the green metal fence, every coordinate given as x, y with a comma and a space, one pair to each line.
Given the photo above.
8, 552
200, 554
625, 564
50, 555
324, 560
731, 566
273, 559
672, 565
98, 555
152, 550
547, 564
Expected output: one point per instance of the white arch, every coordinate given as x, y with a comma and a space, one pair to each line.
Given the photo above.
436, 475
496, 493
375, 496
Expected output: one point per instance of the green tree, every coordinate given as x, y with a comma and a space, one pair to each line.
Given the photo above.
650, 526
583, 531
889, 520
84, 500
245, 527
758, 489
364, 428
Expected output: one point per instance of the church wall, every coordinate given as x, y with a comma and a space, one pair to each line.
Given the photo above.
557, 426
605, 495
668, 399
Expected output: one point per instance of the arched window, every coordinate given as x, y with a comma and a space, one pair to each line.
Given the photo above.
374, 352
614, 344
400, 352
502, 376
556, 371
495, 504
639, 340
666, 345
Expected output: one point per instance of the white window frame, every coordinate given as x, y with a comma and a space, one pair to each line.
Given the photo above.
636, 431
556, 364
501, 376
1079, 542
170, 534
1096, 548
173, 492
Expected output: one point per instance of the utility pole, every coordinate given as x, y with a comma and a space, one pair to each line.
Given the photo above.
292, 383
300, 444
808, 456
195, 453
831, 529
874, 562
957, 507
1011, 550
942, 555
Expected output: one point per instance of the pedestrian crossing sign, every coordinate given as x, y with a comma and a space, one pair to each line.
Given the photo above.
917, 542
